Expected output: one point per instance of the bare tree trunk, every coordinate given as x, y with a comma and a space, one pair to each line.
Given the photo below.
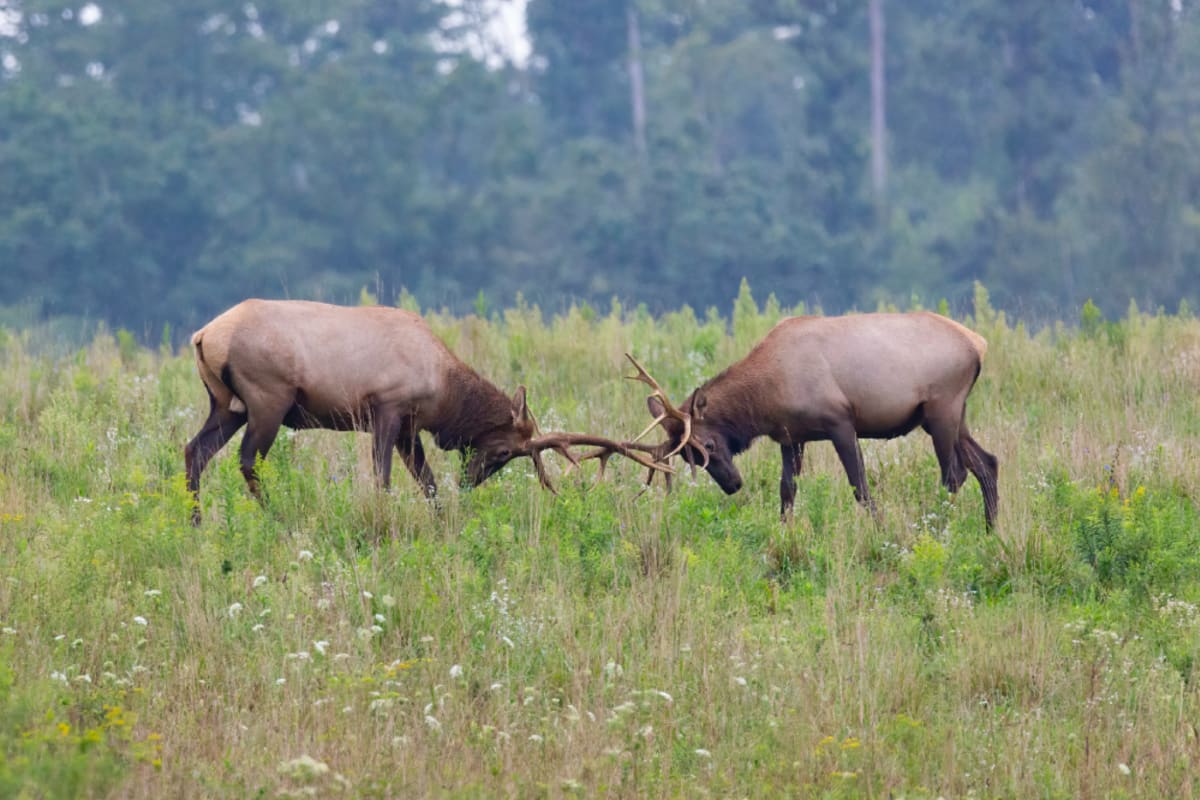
637, 89
878, 106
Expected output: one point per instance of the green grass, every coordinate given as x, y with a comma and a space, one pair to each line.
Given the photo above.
337, 641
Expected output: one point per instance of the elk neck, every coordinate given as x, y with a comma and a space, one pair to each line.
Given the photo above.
735, 407
471, 407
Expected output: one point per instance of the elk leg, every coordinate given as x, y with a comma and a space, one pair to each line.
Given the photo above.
261, 431
845, 441
409, 445
793, 455
385, 431
945, 445
986, 469
218, 429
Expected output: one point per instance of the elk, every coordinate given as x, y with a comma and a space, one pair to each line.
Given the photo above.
841, 379
267, 363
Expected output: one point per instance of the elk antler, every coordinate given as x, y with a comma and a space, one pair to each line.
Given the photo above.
669, 411
562, 443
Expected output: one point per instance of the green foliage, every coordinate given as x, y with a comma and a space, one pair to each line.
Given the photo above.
1146, 543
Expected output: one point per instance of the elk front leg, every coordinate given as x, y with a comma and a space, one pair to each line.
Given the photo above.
385, 430
409, 445
845, 441
793, 455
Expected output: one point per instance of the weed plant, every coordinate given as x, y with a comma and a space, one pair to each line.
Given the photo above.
338, 641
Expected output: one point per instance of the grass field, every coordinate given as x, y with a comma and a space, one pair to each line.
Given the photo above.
337, 641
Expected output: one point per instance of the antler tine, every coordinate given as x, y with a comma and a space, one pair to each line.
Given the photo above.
687, 437
649, 428
540, 468
659, 392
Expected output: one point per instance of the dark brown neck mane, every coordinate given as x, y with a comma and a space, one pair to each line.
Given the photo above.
734, 408
474, 406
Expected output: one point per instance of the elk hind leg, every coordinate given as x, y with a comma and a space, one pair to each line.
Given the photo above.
217, 430
986, 469
261, 430
946, 445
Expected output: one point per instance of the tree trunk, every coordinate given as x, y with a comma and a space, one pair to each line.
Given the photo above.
878, 106
637, 90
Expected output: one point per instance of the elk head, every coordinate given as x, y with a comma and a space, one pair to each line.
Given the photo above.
522, 437
700, 441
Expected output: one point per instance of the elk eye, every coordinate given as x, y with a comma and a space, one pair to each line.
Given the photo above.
709, 446
504, 455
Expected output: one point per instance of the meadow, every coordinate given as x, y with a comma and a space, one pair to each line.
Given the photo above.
336, 641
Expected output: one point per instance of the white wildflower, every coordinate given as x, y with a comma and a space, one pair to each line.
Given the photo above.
537, 737
1124, 768
140, 620
234, 610
304, 768
260, 580
507, 641
62, 636
280, 681
664, 696
456, 671
700, 751
380, 704
55, 675
320, 646
304, 555
432, 722
739, 680
380, 618
388, 601
152, 592
258, 627
367, 594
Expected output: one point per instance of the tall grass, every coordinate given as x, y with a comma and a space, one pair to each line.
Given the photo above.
339, 641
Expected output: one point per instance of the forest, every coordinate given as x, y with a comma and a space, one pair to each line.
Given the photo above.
160, 162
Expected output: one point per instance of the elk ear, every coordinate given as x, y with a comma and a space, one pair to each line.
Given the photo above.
699, 403
520, 410
655, 405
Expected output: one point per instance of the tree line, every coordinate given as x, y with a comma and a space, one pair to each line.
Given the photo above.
159, 162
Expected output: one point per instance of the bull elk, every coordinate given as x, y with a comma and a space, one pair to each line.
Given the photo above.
267, 363
866, 376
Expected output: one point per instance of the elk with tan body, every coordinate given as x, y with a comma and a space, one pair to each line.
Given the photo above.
267, 363
841, 379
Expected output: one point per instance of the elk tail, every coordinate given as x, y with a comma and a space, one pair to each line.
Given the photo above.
220, 385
